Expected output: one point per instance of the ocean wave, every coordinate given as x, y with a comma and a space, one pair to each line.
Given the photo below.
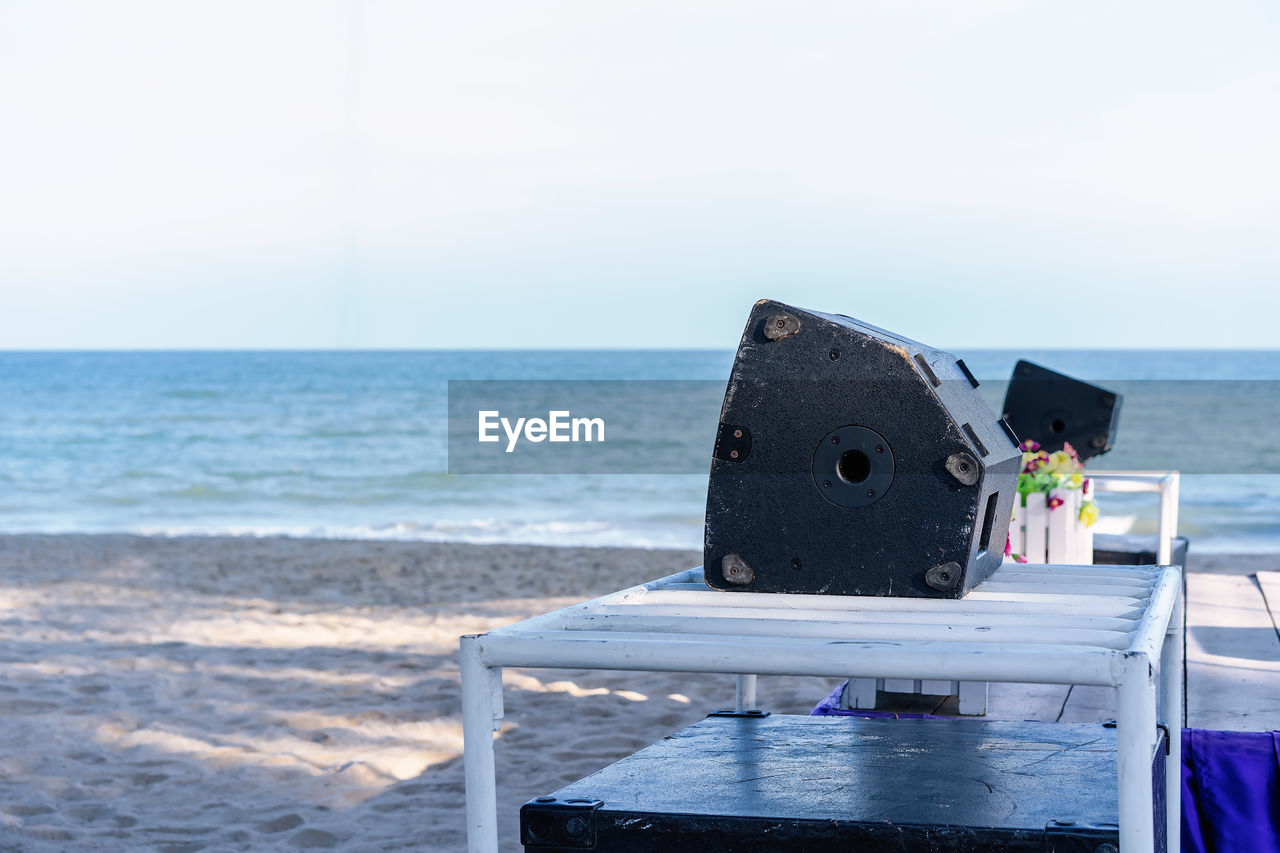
479, 531
191, 394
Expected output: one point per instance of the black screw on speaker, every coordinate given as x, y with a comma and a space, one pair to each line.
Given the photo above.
1053, 408
851, 461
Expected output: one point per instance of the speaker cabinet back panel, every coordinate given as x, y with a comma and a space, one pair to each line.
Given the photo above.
1053, 408
851, 461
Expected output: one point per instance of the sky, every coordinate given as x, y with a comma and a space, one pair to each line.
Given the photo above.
636, 174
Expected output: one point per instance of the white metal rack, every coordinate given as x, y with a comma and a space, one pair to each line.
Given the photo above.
1101, 625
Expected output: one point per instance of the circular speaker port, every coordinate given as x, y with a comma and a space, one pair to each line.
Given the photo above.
853, 466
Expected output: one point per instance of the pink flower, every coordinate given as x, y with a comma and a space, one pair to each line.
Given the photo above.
1071, 451
1086, 487
1029, 446
1018, 558
1054, 503
1008, 545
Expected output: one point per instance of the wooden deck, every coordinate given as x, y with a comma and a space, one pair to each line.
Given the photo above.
1232, 665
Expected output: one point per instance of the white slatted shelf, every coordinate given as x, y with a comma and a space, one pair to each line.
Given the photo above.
1111, 626
1078, 607
958, 618
975, 602
634, 624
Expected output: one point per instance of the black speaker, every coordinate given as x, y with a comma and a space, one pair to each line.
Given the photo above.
851, 461
1053, 408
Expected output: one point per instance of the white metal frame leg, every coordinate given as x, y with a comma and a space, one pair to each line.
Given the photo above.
1171, 662
972, 698
746, 693
1168, 528
481, 716
1135, 741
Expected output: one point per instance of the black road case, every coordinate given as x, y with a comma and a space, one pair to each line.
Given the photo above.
1135, 550
828, 784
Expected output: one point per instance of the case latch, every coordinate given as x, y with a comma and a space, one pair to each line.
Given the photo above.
1070, 836
551, 822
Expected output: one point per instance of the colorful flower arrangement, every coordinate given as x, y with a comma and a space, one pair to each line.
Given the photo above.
1045, 473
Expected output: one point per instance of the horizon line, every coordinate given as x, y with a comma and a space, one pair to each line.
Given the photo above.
338, 349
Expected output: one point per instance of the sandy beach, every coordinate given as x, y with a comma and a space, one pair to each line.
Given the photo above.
183, 694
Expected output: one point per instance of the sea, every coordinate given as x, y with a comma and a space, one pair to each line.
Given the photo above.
352, 444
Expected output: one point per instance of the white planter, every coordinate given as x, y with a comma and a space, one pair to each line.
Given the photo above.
1057, 536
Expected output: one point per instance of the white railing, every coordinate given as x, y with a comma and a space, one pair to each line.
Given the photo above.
1163, 483
1045, 535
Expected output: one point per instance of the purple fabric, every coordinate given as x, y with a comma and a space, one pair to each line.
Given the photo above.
829, 706
1230, 791
1230, 784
